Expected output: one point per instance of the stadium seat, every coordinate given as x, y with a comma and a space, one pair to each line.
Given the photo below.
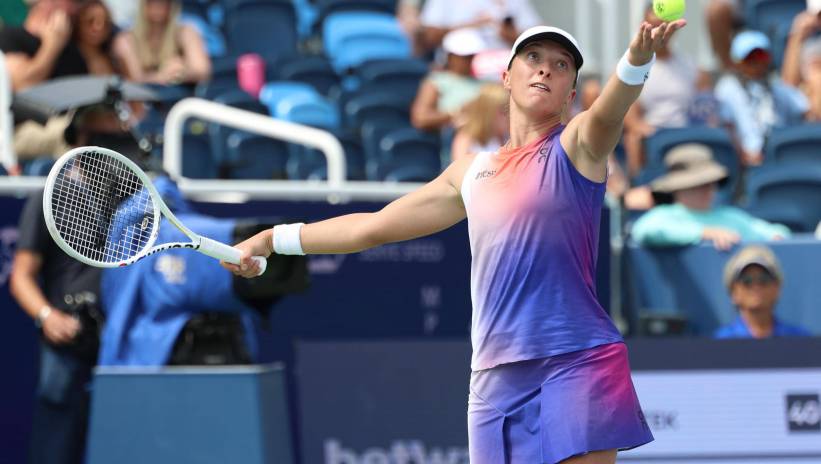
309, 109
314, 70
309, 164
382, 106
265, 27
327, 7
256, 157
398, 73
210, 89
767, 15
272, 92
657, 146
372, 132
422, 173
786, 193
197, 160
218, 133
406, 147
351, 38
38, 166
224, 71
795, 144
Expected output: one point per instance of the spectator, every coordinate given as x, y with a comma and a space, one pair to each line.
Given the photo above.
12, 12
499, 21
62, 296
753, 278
723, 19
755, 103
443, 93
802, 59
407, 14
95, 38
169, 53
664, 103
485, 124
692, 177
41, 49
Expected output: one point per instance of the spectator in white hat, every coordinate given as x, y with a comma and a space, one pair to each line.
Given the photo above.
753, 277
443, 93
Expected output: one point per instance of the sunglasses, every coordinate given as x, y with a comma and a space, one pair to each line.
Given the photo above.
748, 280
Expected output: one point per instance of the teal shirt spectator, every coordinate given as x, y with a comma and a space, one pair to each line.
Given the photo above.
676, 225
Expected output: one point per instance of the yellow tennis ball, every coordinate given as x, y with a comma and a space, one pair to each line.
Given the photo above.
669, 10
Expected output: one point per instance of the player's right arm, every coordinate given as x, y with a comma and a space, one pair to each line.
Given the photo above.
432, 208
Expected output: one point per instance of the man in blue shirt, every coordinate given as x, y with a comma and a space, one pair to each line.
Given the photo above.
753, 277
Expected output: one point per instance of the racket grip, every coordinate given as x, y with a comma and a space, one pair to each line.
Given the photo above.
227, 253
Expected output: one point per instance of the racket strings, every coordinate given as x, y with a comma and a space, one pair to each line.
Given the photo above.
101, 208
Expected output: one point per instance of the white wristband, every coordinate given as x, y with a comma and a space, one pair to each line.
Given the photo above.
634, 75
286, 239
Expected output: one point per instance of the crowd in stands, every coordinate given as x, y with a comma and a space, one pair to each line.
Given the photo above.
409, 85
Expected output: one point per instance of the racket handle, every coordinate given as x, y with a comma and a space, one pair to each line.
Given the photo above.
227, 253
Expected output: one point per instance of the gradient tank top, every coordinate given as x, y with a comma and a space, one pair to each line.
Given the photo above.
533, 221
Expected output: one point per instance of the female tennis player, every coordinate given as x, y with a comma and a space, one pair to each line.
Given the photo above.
550, 377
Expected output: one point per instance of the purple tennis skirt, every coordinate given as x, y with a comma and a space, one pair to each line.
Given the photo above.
550, 409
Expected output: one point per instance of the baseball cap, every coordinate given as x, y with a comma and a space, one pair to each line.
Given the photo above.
550, 33
749, 255
747, 41
464, 42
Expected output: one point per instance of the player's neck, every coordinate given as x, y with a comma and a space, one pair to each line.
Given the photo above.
524, 131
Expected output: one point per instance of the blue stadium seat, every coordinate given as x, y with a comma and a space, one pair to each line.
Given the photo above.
657, 146
786, 193
422, 173
327, 7
272, 92
309, 164
265, 27
406, 147
224, 71
795, 144
398, 73
309, 109
767, 15
256, 157
210, 89
197, 159
351, 38
38, 166
372, 133
219, 133
382, 106
314, 70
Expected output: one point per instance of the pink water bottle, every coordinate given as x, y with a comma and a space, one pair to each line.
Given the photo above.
251, 73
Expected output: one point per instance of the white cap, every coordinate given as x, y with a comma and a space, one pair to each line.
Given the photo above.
464, 42
550, 33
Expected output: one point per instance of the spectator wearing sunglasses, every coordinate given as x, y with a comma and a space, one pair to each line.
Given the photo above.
753, 278
757, 102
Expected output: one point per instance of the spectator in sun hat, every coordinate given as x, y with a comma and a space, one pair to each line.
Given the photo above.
756, 102
443, 93
692, 179
802, 59
753, 279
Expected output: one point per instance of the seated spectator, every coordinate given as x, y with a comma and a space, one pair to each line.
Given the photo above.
499, 22
95, 38
692, 179
802, 60
169, 53
41, 49
753, 278
485, 123
443, 93
723, 19
755, 103
668, 94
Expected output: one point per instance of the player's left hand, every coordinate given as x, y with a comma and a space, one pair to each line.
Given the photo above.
650, 39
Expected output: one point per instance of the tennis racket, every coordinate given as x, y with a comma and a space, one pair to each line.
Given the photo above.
102, 209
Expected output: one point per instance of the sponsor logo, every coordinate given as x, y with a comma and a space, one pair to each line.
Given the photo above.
8, 240
400, 452
172, 269
662, 420
485, 174
804, 413
543, 152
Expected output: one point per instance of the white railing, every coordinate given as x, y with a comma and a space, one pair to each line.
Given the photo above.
7, 156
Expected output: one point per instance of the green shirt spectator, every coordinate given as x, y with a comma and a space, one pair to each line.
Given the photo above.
12, 12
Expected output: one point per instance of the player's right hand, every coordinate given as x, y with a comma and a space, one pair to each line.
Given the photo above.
261, 244
59, 328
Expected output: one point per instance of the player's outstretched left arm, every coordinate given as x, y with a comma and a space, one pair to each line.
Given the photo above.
591, 136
